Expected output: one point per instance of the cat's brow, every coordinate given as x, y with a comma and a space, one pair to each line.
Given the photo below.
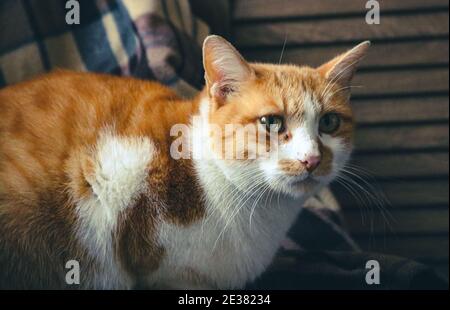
339, 108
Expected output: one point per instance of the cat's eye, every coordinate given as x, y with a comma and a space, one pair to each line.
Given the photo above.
273, 121
329, 123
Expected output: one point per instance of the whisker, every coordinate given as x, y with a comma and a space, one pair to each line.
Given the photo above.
237, 209
374, 194
282, 50
267, 188
334, 80
354, 195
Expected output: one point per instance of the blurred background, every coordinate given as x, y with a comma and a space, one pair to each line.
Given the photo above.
397, 200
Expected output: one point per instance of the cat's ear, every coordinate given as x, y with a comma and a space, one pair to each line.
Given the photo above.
342, 68
225, 68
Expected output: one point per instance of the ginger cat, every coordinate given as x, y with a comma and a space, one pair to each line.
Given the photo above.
88, 172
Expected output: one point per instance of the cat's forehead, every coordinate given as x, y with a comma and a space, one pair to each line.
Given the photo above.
297, 90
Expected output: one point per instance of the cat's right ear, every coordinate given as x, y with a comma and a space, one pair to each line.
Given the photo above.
225, 68
343, 67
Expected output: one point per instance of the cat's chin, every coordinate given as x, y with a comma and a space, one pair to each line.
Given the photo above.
298, 188
307, 183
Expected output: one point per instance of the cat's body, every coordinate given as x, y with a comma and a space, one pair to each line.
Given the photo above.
87, 173
46, 167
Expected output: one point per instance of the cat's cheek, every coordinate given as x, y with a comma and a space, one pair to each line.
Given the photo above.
340, 152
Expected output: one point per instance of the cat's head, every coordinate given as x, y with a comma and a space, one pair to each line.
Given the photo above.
305, 109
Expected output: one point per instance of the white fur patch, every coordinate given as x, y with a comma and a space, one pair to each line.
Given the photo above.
302, 145
122, 166
304, 138
121, 169
234, 243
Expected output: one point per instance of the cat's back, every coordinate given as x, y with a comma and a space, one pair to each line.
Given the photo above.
44, 120
48, 127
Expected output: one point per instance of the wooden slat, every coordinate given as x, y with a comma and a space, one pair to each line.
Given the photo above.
420, 248
217, 14
424, 221
404, 165
407, 137
344, 30
251, 9
442, 269
401, 82
380, 54
401, 110
412, 193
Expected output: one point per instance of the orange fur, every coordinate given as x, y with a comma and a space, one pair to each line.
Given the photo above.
50, 125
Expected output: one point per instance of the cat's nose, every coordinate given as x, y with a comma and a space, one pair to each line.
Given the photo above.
311, 162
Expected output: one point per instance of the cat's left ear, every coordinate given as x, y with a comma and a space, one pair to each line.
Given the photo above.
342, 68
225, 68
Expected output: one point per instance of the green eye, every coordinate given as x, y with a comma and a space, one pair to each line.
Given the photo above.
273, 121
329, 123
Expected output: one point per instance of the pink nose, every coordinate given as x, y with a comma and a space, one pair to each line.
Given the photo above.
311, 162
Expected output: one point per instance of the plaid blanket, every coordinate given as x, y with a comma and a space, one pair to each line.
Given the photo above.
149, 39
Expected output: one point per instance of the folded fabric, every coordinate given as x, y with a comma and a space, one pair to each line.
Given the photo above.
149, 39
327, 258
345, 270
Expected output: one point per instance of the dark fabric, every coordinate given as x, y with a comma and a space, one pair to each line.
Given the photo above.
318, 229
329, 259
217, 14
331, 270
